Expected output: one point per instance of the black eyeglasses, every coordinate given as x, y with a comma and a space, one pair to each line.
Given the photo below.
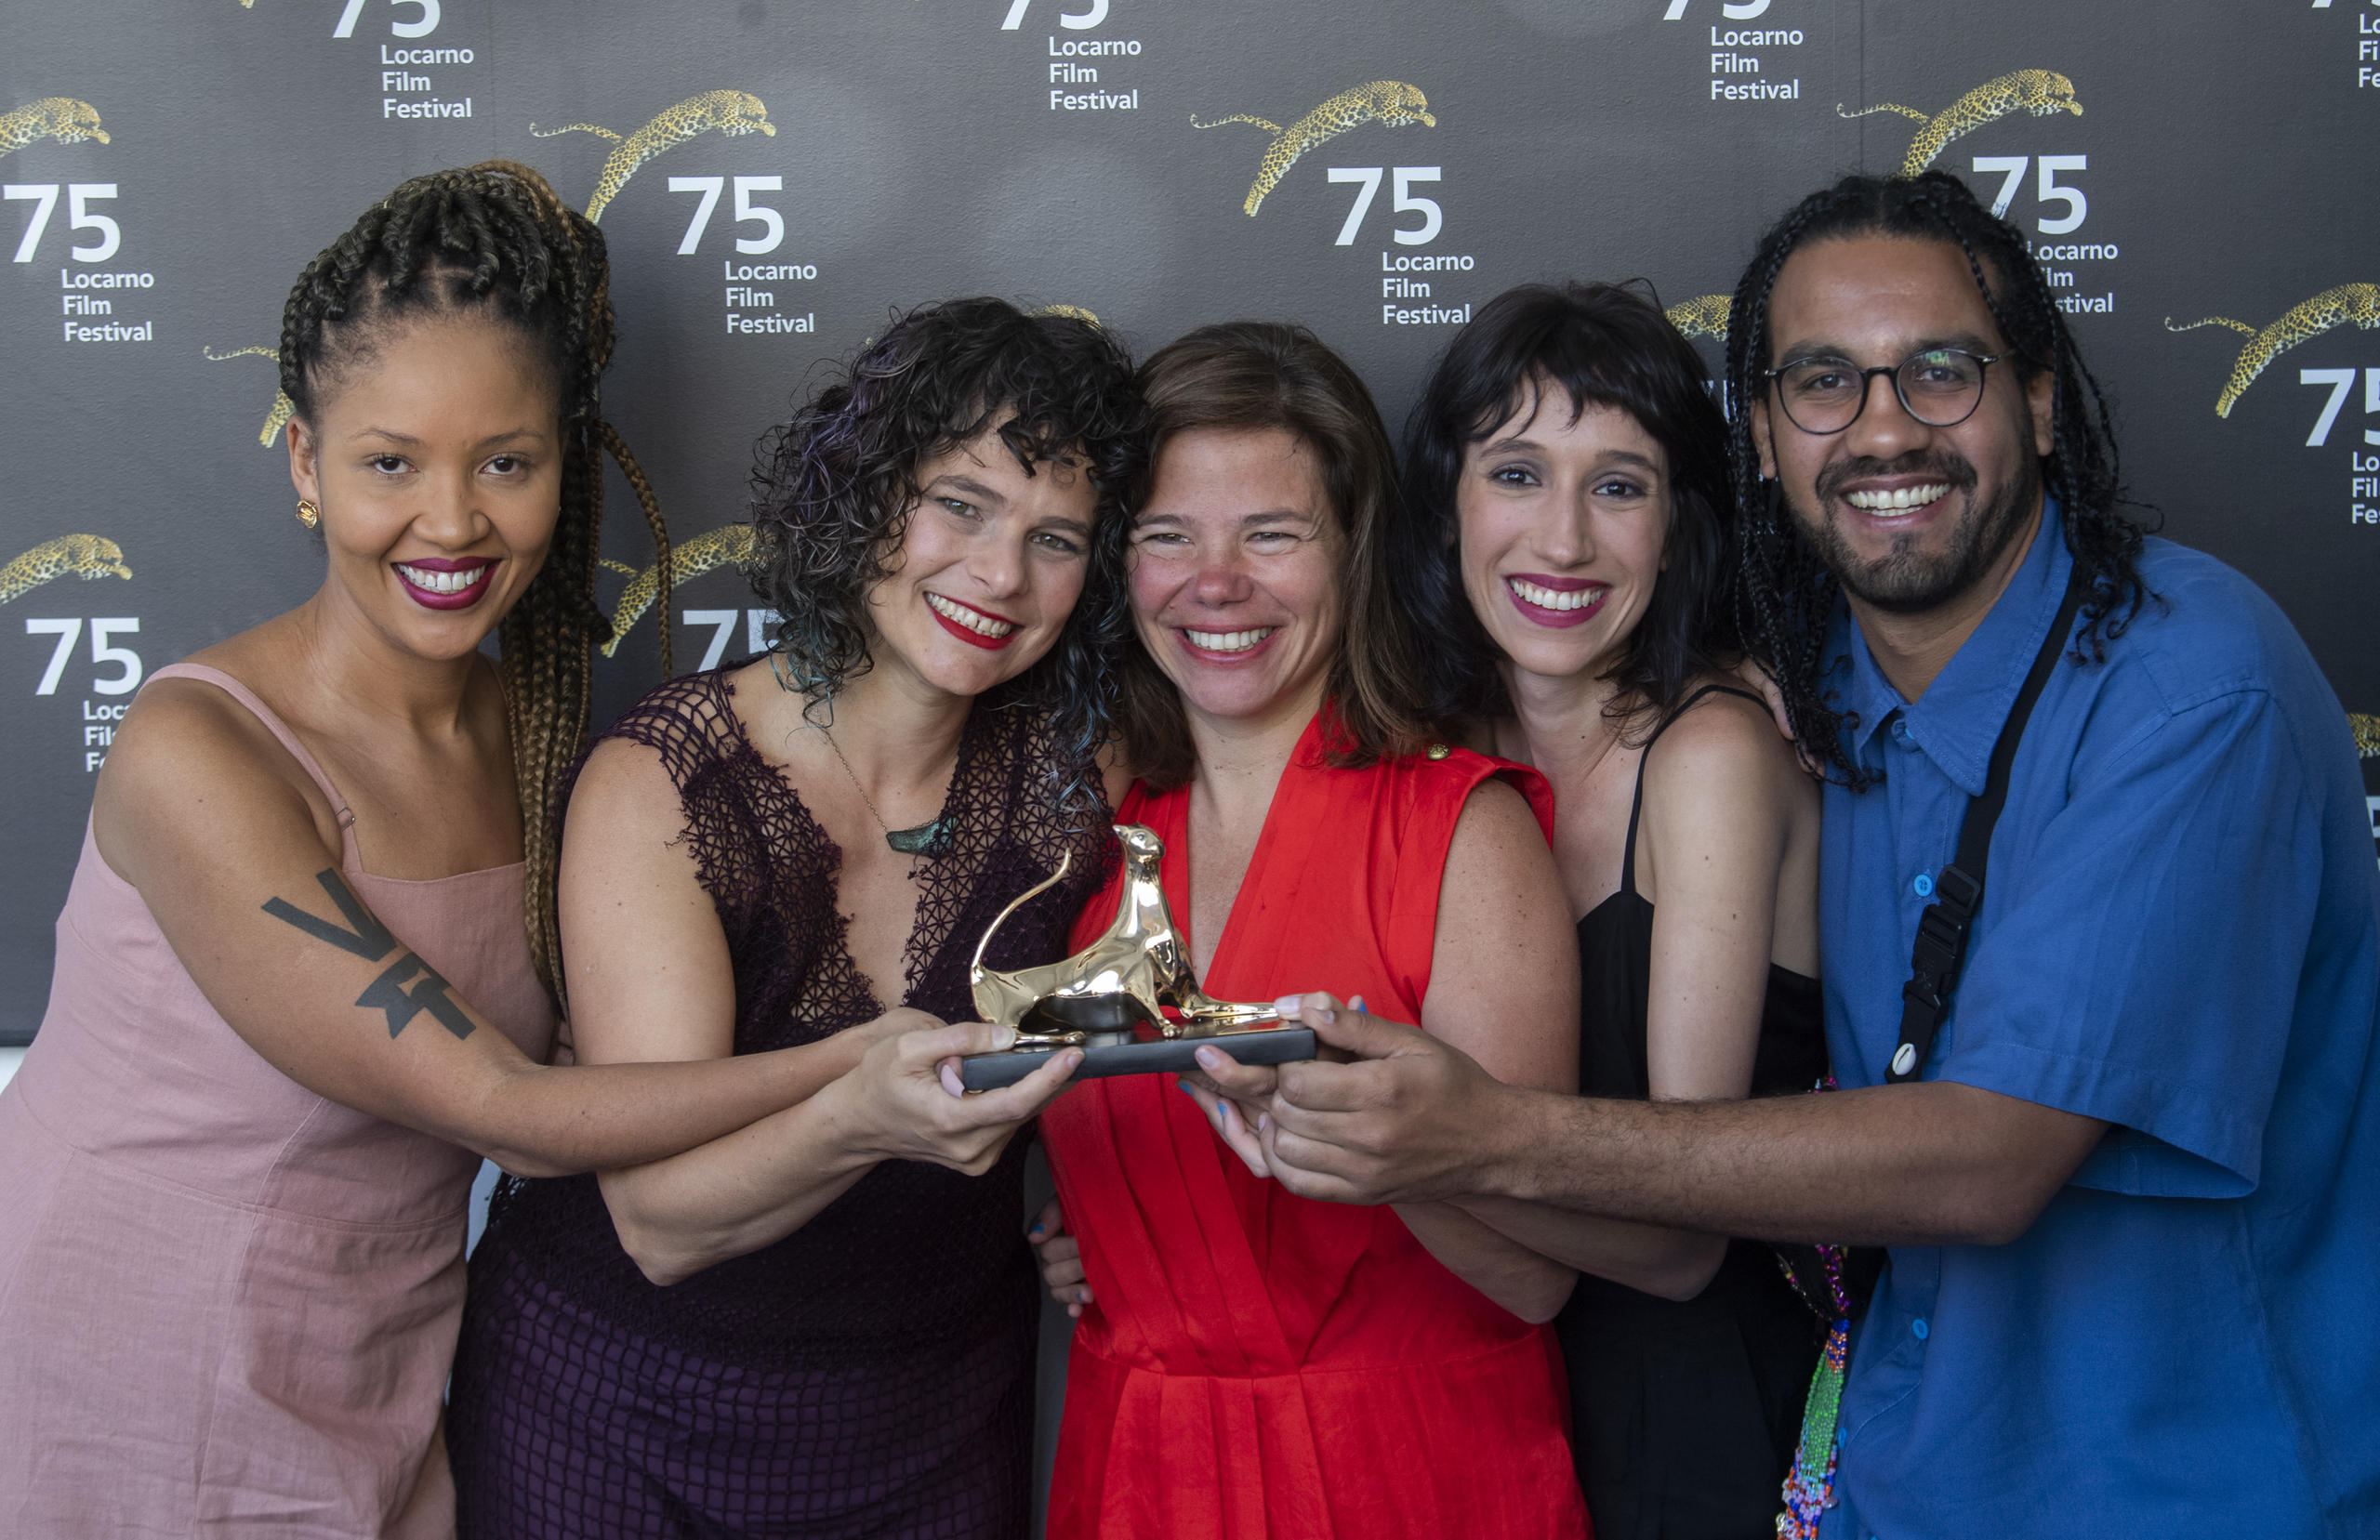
1938, 386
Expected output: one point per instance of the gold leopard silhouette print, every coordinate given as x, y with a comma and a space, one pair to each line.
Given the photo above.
731, 545
733, 113
85, 555
277, 417
1390, 102
2367, 735
1704, 316
2041, 92
59, 118
2359, 303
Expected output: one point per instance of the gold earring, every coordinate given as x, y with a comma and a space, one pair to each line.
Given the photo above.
308, 514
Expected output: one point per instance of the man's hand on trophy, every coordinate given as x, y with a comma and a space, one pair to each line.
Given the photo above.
903, 1101
1061, 1257
1404, 1121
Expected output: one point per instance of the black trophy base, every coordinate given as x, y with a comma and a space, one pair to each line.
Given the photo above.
1121, 1053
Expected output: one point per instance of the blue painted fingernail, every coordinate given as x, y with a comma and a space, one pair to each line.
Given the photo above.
1183, 1086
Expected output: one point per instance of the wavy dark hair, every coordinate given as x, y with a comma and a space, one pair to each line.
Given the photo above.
1787, 594
1598, 345
493, 240
1242, 374
834, 488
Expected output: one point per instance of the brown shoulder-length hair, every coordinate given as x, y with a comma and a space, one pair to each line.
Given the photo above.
1260, 375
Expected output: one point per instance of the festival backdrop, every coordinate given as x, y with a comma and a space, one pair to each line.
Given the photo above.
774, 178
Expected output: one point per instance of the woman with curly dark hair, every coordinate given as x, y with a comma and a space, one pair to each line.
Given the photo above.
823, 1323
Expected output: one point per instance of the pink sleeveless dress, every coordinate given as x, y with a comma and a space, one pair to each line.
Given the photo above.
227, 1304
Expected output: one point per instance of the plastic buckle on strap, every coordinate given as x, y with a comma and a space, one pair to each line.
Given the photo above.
1959, 892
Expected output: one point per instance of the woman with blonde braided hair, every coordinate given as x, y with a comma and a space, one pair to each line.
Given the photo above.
296, 1000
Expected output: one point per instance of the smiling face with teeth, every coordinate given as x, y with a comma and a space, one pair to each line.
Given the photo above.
1236, 581
1911, 519
1561, 522
436, 461
992, 559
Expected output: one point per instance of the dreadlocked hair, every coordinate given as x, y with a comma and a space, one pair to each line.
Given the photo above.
493, 240
1785, 596
834, 489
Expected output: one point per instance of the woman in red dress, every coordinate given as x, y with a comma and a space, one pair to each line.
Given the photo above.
1249, 1364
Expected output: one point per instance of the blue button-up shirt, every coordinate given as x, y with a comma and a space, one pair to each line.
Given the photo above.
2180, 935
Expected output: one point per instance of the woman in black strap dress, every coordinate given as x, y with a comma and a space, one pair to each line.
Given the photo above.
822, 1326
1568, 531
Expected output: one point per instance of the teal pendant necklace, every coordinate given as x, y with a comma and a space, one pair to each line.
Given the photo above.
923, 840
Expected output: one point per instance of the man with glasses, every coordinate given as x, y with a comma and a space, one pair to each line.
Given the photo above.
2101, 935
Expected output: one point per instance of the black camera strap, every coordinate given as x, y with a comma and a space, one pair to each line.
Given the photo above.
1942, 930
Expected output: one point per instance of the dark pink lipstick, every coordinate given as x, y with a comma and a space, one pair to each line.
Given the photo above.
471, 571
1538, 614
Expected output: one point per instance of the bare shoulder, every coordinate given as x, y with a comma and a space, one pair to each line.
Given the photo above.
187, 752
1498, 856
1726, 747
623, 791
1497, 821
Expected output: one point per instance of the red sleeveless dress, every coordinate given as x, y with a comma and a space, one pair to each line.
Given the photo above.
1262, 1366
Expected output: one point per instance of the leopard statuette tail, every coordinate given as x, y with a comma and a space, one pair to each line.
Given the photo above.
59, 118
1390, 102
1703, 316
83, 556
277, 417
730, 546
2040, 92
733, 113
2355, 303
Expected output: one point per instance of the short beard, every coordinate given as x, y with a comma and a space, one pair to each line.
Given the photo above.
1902, 583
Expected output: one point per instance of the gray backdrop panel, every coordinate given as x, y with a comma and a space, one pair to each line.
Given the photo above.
922, 149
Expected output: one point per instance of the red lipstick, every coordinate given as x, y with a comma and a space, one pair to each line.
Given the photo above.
973, 637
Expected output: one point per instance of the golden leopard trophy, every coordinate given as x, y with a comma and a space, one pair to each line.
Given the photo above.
1130, 1000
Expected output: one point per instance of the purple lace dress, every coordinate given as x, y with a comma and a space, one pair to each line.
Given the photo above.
872, 1373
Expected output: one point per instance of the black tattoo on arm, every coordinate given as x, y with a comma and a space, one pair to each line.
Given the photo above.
367, 938
386, 995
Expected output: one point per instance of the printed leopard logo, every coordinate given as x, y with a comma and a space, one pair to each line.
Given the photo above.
730, 546
1703, 316
2358, 303
2041, 92
59, 118
731, 113
1390, 102
277, 417
84, 556
2367, 735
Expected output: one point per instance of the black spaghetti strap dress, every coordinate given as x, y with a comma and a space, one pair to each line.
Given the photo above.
1684, 1415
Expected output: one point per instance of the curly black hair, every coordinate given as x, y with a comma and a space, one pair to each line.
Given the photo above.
1787, 594
833, 490
1596, 345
